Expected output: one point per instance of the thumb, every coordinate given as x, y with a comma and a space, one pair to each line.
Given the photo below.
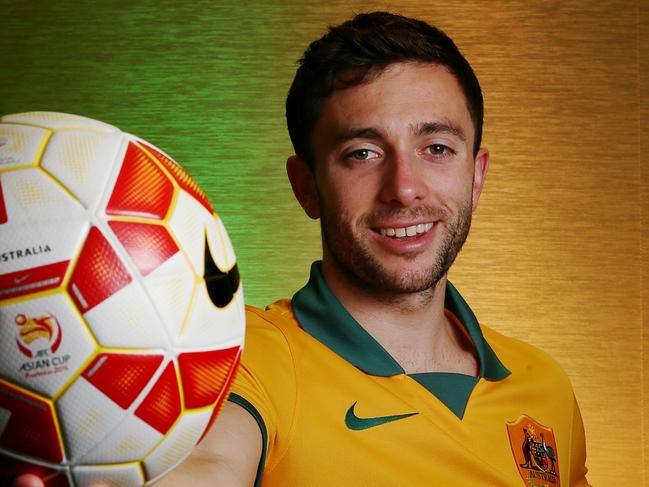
28, 480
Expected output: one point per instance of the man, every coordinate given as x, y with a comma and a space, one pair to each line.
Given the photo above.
377, 372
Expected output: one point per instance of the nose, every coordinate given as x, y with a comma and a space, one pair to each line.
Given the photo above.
404, 181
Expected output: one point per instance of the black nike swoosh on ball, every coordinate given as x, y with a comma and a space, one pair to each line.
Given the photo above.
221, 286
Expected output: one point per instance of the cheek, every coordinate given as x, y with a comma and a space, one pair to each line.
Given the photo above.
345, 194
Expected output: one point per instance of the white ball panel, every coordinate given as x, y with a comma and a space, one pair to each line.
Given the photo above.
228, 257
177, 445
27, 246
57, 120
86, 416
129, 475
210, 326
83, 161
31, 195
171, 287
129, 442
188, 227
55, 343
127, 320
20, 145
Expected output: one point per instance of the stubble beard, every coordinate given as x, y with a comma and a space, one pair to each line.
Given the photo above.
355, 259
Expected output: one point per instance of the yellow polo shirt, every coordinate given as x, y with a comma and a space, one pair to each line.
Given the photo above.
335, 409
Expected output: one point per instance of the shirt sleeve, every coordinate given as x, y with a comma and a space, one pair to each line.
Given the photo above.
265, 383
578, 468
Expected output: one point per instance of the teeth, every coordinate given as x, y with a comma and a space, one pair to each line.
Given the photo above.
406, 231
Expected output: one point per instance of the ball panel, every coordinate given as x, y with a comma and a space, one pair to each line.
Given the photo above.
86, 416
220, 244
82, 161
171, 287
99, 273
182, 178
31, 427
209, 326
33, 245
129, 475
187, 225
32, 196
30, 281
177, 445
43, 342
161, 407
21, 145
205, 375
127, 319
131, 441
142, 188
3, 207
122, 376
148, 245
57, 120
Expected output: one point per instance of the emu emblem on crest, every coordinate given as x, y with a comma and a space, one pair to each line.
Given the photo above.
535, 451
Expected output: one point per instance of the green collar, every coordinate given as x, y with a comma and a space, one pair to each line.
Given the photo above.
322, 316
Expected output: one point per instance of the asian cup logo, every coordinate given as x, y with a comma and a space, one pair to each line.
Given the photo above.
38, 335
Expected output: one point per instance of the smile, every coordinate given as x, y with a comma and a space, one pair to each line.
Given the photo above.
410, 231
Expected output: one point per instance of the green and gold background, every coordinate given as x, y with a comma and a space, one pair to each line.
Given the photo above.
558, 255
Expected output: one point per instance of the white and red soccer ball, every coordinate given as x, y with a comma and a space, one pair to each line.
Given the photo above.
121, 310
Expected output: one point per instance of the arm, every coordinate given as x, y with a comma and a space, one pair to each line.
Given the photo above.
228, 456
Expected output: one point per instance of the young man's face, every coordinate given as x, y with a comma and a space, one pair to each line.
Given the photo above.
396, 178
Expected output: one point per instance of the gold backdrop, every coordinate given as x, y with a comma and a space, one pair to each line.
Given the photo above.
558, 253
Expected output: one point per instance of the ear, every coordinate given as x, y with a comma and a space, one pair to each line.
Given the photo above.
303, 183
481, 165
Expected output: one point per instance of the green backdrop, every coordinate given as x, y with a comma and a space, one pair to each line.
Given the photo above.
205, 81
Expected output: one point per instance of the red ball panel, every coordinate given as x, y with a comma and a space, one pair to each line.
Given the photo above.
219, 402
29, 281
99, 273
204, 375
142, 188
181, 176
161, 407
148, 245
122, 376
3, 207
31, 428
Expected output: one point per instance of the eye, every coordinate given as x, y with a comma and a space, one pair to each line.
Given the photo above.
361, 155
439, 149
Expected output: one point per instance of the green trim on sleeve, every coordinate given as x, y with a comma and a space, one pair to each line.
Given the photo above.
241, 401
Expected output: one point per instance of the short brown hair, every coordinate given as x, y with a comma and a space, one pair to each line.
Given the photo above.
359, 50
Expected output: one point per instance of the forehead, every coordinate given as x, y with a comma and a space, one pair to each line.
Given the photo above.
403, 96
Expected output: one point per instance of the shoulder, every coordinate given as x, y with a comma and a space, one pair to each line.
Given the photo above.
268, 332
528, 364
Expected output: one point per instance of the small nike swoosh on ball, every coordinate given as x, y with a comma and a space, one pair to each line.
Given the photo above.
18, 280
355, 423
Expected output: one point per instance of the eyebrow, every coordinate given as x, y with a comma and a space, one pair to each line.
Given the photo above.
358, 133
444, 126
424, 128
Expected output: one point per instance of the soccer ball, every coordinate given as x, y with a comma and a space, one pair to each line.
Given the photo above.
121, 310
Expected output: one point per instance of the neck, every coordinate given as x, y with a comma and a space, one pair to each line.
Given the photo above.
411, 327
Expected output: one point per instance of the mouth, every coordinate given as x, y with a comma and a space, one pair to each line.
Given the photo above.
405, 232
